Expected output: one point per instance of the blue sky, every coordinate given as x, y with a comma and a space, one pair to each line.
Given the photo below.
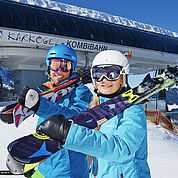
160, 13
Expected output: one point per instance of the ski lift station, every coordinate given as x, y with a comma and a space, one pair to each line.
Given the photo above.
27, 32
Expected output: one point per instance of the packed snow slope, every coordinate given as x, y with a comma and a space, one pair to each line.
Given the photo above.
162, 147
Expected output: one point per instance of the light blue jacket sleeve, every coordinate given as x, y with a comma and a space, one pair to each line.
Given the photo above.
71, 104
114, 144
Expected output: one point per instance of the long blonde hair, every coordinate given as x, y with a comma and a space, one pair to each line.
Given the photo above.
95, 101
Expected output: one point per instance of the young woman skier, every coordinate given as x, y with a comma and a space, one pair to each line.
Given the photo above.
119, 146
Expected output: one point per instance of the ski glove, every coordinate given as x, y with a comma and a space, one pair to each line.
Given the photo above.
56, 127
29, 98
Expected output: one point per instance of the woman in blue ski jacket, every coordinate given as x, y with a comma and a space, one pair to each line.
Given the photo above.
61, 60
119, 146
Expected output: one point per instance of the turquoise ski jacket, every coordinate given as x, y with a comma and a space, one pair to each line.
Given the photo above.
65, 163
119, 147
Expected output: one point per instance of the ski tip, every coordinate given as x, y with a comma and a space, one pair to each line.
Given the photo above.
14, 166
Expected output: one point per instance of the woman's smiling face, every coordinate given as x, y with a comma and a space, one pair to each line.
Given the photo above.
107, 87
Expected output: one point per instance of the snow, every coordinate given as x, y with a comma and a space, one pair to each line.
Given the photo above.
162, 152
162, 146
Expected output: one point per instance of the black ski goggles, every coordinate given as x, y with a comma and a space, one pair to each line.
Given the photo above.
109, 72
63, 64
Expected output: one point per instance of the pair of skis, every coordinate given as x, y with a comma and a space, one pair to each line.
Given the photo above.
29, 151
15, 113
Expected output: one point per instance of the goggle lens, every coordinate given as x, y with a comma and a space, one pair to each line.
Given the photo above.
109, 72
64, 65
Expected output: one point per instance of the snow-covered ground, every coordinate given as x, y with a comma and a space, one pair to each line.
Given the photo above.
162, 152
162, 147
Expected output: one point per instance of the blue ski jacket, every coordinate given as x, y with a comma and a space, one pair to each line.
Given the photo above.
65, 163
119, 147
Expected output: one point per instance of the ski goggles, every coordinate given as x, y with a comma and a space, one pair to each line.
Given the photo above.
109, 72
63, 64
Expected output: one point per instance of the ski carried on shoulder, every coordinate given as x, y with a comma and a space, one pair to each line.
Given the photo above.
15, 113
17, 168
35, 148
22, 169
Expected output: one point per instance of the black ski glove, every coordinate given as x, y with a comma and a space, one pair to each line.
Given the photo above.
29, 98
56, 127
